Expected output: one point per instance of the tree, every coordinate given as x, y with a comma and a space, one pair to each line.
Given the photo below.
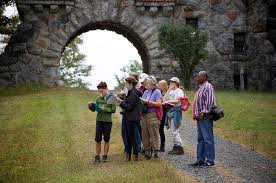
186, 45
72, 67
8, 25
133, 66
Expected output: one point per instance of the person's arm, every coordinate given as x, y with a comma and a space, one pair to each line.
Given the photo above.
156, 104
131, 102
177, 100
90, 106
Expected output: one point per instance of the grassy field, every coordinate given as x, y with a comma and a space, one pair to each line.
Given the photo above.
47, 135
250, 119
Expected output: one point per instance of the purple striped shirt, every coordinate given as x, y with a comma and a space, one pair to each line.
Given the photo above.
205, 99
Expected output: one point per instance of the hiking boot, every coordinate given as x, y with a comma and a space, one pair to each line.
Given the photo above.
97, 159
173, 150
148, 154
155, 154
128, 157
143, 151
104, 158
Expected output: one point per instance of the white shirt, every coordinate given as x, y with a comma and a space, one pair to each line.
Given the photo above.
175, 94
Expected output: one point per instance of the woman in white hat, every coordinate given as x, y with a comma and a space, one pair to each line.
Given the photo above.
174, 115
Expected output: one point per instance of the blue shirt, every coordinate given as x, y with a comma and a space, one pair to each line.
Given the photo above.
152, 97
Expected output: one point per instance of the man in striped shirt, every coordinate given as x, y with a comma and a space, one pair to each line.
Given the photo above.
204, 100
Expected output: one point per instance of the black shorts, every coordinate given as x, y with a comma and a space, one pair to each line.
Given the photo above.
103, 129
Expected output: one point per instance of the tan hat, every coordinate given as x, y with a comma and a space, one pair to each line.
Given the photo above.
175, 79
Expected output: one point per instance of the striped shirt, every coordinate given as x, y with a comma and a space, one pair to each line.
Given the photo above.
204, 99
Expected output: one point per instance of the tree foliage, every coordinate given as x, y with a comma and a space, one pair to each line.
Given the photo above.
133, 67
72, 66
186, 45
8, 25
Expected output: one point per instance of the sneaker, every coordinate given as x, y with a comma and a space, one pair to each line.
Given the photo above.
209, 163
155, 154
104, 158
173, 150
198, 163
162, 149
97, 159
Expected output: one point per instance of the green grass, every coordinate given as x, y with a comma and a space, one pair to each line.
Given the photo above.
250, 119
47, 135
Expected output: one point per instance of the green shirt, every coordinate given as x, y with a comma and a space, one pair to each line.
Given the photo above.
105, 115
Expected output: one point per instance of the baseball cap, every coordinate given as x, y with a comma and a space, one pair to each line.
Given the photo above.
142, 77
175, 79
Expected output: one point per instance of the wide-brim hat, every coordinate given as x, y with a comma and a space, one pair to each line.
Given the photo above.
175, 79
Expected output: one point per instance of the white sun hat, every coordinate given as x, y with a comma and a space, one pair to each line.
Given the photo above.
142, 77
175, 79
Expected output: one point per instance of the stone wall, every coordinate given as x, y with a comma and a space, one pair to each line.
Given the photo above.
47, 26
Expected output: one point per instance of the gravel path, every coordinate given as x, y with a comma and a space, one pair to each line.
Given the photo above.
234, 163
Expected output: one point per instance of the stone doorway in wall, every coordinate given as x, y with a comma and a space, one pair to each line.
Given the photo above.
109, 49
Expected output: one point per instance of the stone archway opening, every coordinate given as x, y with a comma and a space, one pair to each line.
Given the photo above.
131, 36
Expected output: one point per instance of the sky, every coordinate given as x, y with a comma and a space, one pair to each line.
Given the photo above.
106, 51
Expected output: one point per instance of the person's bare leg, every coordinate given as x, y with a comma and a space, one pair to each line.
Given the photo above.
98, 148
106, 148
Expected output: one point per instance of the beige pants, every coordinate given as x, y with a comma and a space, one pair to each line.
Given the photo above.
150, 131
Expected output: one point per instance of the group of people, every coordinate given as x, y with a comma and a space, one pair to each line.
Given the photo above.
148, 107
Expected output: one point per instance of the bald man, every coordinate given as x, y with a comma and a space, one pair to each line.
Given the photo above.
204, 100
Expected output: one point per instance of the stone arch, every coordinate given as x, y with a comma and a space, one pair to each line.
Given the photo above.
33, 54
132, 36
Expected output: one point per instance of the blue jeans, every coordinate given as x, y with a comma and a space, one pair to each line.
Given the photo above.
125, 135
205, 140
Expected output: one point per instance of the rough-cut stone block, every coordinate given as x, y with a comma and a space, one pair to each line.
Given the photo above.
43, 42
153, 11
141, 10
4, 69
167, 11
19, 47
25, 58
214, 2
34, 49
24, 8
50, 62
51, 54
68, 9
5, 75
53, 8
38, 8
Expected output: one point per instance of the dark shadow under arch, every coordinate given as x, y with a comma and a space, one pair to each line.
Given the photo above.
133, 37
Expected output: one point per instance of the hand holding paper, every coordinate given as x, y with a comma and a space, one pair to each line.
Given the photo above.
96, 107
